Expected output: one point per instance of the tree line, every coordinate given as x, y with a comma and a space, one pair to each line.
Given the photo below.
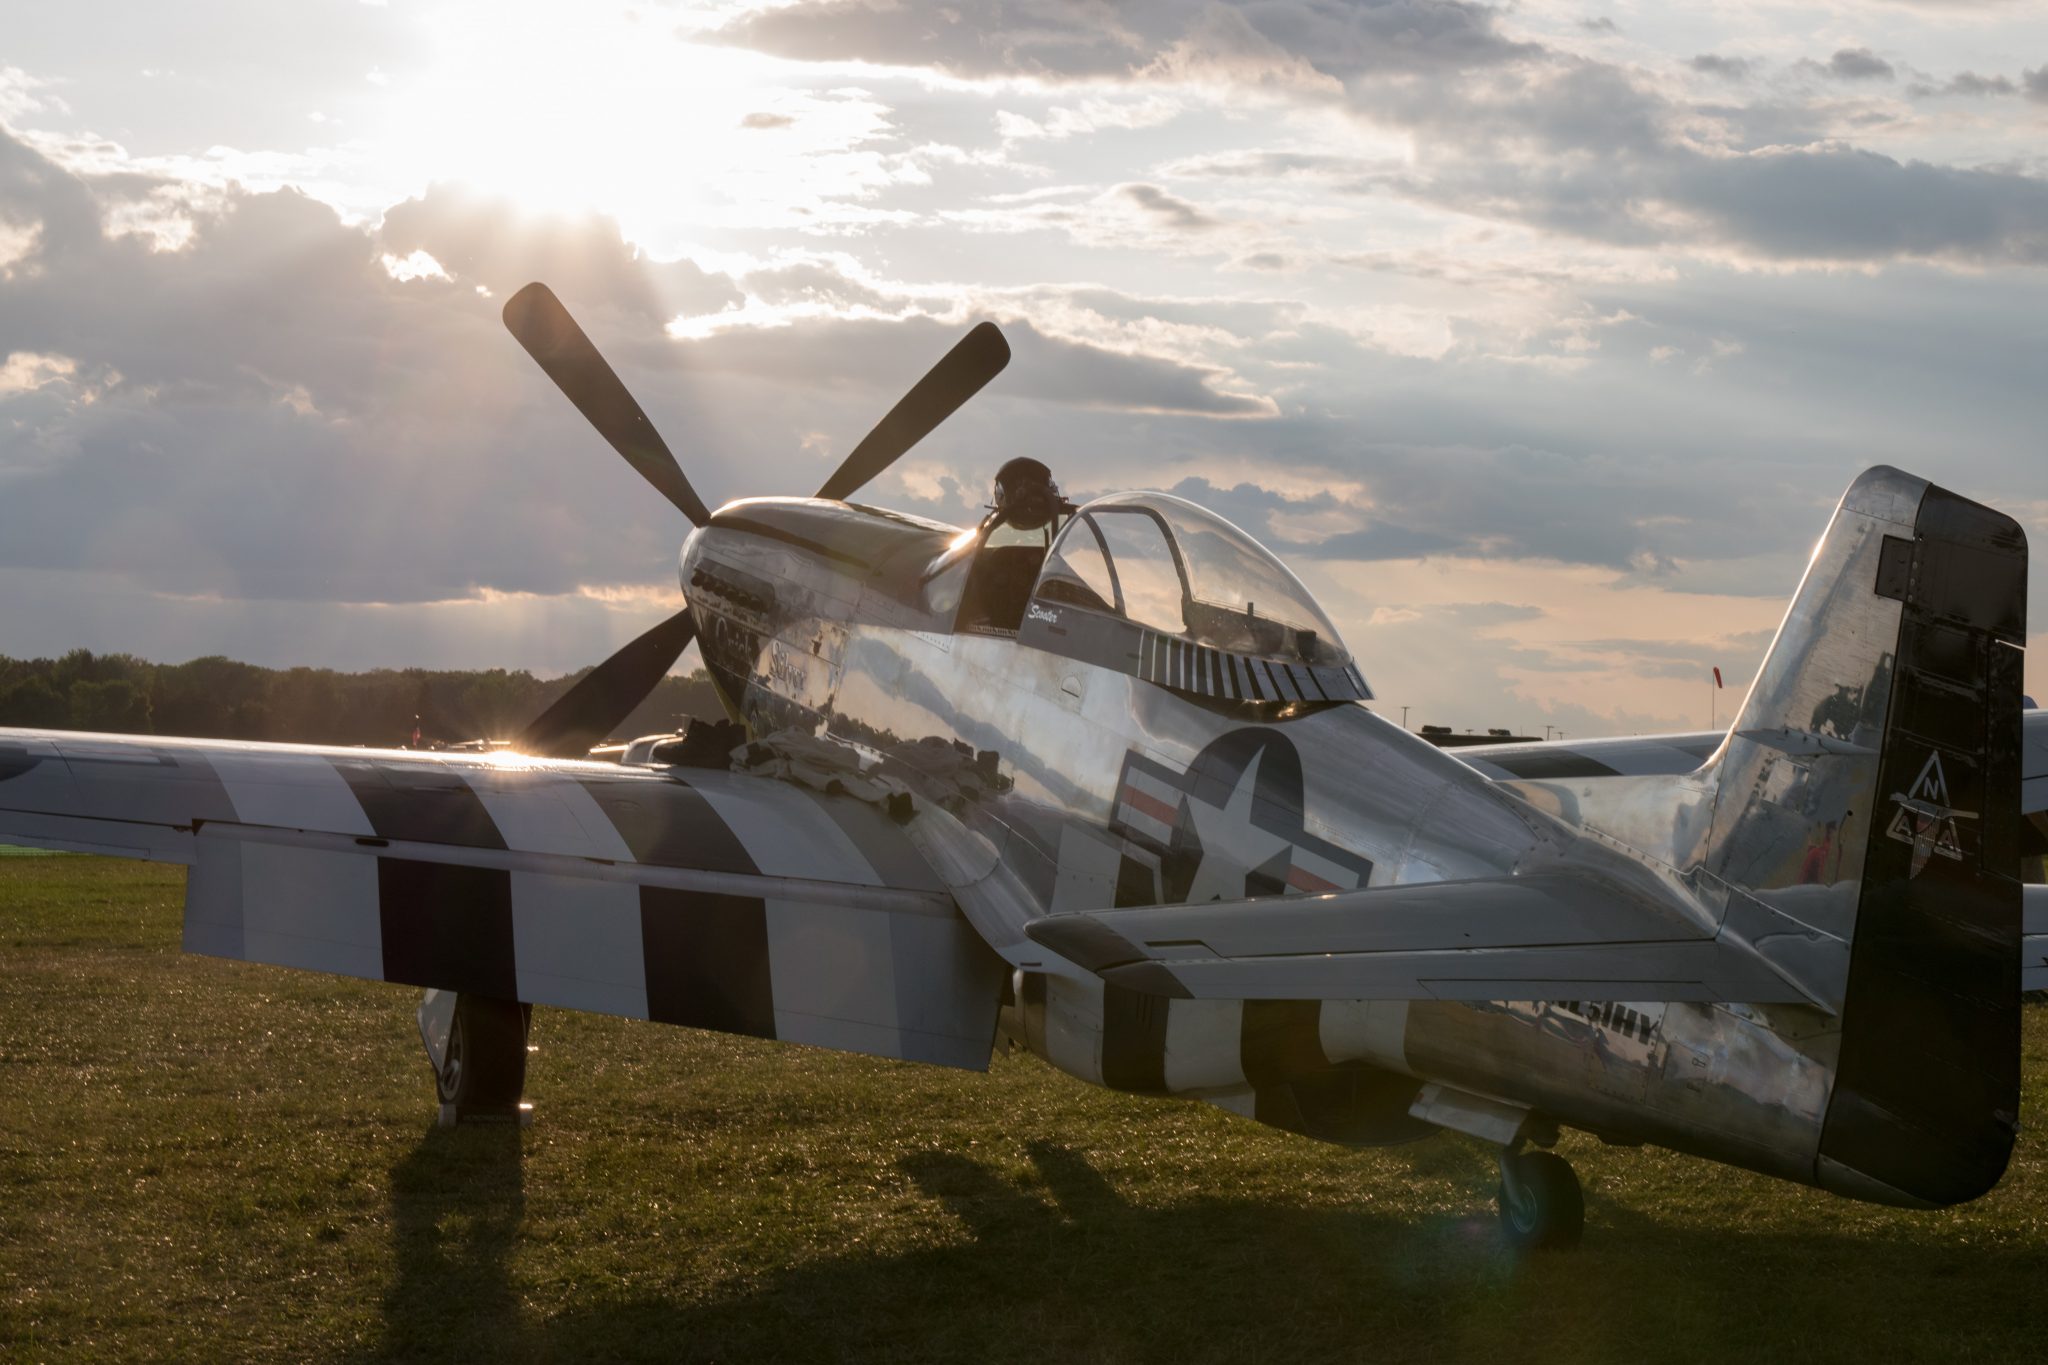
217, 698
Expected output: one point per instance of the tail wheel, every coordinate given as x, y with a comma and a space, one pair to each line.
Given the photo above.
1541, 1204
484, 1069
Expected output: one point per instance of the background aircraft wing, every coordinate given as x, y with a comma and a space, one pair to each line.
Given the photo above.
1554, 936
708, 898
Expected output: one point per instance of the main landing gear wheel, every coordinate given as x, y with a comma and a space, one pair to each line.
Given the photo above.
1541, 1204
484, 1071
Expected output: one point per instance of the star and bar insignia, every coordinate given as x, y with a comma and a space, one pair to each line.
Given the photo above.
1231, 825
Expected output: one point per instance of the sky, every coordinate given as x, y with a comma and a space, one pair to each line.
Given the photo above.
1540, 339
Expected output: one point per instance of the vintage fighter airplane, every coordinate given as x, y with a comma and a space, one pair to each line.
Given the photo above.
1101, 777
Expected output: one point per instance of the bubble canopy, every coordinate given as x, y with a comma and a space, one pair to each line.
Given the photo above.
1168, 565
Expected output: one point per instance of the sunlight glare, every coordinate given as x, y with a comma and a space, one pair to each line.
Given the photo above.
611, 111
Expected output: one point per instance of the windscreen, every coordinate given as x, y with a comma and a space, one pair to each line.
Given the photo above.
1180, 569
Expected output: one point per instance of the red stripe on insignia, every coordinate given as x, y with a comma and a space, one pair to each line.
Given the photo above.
1146, 804
1304, 880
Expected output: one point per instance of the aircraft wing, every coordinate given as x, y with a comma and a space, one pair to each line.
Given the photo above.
1552, 936
713, 899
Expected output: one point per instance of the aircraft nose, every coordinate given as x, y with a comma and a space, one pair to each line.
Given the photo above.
686, 559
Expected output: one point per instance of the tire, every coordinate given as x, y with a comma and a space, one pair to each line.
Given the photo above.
485, 1066
1551, 1212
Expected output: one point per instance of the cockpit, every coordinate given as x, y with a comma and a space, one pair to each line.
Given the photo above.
1143, 583
1179, 569
1155, 586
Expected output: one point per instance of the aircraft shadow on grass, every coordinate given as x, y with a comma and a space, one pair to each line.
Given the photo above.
1059, 1265
458, 1202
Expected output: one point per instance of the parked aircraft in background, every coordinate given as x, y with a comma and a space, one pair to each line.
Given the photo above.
1102, 777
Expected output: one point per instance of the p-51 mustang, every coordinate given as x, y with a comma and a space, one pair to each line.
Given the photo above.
1101, 777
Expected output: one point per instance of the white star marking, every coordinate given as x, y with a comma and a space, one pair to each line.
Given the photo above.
1231, 844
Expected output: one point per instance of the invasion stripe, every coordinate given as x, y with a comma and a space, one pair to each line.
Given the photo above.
1281, 1040
422, 803
673, 826
707, 961
1133, 1040
448, 926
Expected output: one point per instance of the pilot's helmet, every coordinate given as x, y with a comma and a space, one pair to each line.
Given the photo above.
1025, 494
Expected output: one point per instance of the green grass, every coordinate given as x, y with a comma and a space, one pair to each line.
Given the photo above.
204, 1159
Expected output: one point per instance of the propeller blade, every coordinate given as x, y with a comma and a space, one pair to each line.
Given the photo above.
978, 358
543, 326
608, 693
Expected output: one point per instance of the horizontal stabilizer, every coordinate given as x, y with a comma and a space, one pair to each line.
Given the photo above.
1549, 936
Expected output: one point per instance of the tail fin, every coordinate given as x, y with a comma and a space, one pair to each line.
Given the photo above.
1869, 791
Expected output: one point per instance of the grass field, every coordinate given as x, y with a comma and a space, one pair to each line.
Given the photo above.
204, 1159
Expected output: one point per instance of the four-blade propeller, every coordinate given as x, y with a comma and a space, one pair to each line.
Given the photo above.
537, 319
974, 360
605, 696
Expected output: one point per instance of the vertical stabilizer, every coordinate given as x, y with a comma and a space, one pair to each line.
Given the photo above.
1866, 822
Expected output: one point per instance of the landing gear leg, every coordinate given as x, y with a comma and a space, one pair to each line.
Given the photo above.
1541, 1204
477, 1045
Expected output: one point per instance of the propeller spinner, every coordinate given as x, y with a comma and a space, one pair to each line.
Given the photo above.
606, 695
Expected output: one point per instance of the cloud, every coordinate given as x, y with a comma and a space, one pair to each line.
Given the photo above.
1166, 208
1321, 525
1222, 47
1968, 84
1859, 64
1337, 169
300, 409
1506, 503
1582, 149
25, 371
2036, 83
1839, 203
884, 357
1047, 38
1275, 44
766, 120
288, 418
1503, 129
1090, 116
1714, 64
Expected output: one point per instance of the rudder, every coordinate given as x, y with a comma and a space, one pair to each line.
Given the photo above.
1926, 1096
1866, 811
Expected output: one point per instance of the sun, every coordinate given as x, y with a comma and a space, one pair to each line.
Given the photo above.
616, 110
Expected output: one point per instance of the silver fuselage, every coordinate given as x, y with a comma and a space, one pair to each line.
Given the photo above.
830, 620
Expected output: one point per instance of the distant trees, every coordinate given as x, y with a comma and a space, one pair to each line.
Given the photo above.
216, 698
